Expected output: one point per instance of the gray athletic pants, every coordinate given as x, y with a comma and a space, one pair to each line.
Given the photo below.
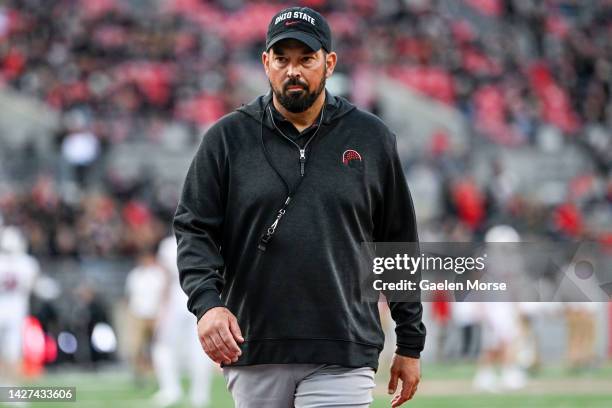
299, 386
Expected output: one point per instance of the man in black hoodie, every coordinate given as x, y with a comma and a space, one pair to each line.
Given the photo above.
277, 201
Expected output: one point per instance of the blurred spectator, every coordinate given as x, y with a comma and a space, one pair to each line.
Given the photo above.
80, 150
87, 311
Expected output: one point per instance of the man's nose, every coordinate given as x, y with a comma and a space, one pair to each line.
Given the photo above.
293, 71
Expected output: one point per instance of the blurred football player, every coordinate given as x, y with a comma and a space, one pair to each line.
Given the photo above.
176, 343
144, 287
18, 272
500, 320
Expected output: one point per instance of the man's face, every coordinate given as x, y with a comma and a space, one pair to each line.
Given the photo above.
296, 73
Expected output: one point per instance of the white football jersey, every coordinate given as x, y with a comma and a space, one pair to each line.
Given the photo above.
18, 273
166, 256
145, 287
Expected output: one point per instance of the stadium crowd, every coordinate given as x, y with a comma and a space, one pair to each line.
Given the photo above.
515, 69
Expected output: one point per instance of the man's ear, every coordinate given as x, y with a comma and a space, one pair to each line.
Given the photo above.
265, 60
330, 62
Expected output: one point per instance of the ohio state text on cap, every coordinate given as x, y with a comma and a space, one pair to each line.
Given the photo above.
302, 24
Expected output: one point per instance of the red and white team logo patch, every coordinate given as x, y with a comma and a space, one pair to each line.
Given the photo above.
350, 155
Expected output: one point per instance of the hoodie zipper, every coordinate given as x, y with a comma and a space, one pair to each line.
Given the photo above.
302, 161
301, 150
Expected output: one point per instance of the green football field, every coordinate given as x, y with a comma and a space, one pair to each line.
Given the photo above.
441, 386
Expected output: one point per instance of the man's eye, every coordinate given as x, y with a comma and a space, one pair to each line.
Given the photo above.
281, 59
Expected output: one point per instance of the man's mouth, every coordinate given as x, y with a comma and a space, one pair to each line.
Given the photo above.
294, 88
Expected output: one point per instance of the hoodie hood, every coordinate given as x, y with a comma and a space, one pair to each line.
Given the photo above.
335, 108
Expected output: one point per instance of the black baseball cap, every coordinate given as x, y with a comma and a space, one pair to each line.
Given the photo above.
302, 24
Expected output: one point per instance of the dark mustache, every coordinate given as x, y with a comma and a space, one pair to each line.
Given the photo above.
294, 82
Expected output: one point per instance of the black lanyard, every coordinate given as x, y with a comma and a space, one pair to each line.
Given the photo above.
291, 191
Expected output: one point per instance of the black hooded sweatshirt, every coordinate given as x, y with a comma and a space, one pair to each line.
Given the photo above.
297, 301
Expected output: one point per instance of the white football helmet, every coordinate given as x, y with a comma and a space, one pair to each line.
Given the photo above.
12, 240
502, 233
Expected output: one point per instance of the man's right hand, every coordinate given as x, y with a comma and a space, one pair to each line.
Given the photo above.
219, 335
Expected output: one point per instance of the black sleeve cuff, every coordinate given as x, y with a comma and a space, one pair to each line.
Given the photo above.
204, 302
407, 352
410, 346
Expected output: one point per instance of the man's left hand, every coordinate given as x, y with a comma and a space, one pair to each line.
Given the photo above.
409, 371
